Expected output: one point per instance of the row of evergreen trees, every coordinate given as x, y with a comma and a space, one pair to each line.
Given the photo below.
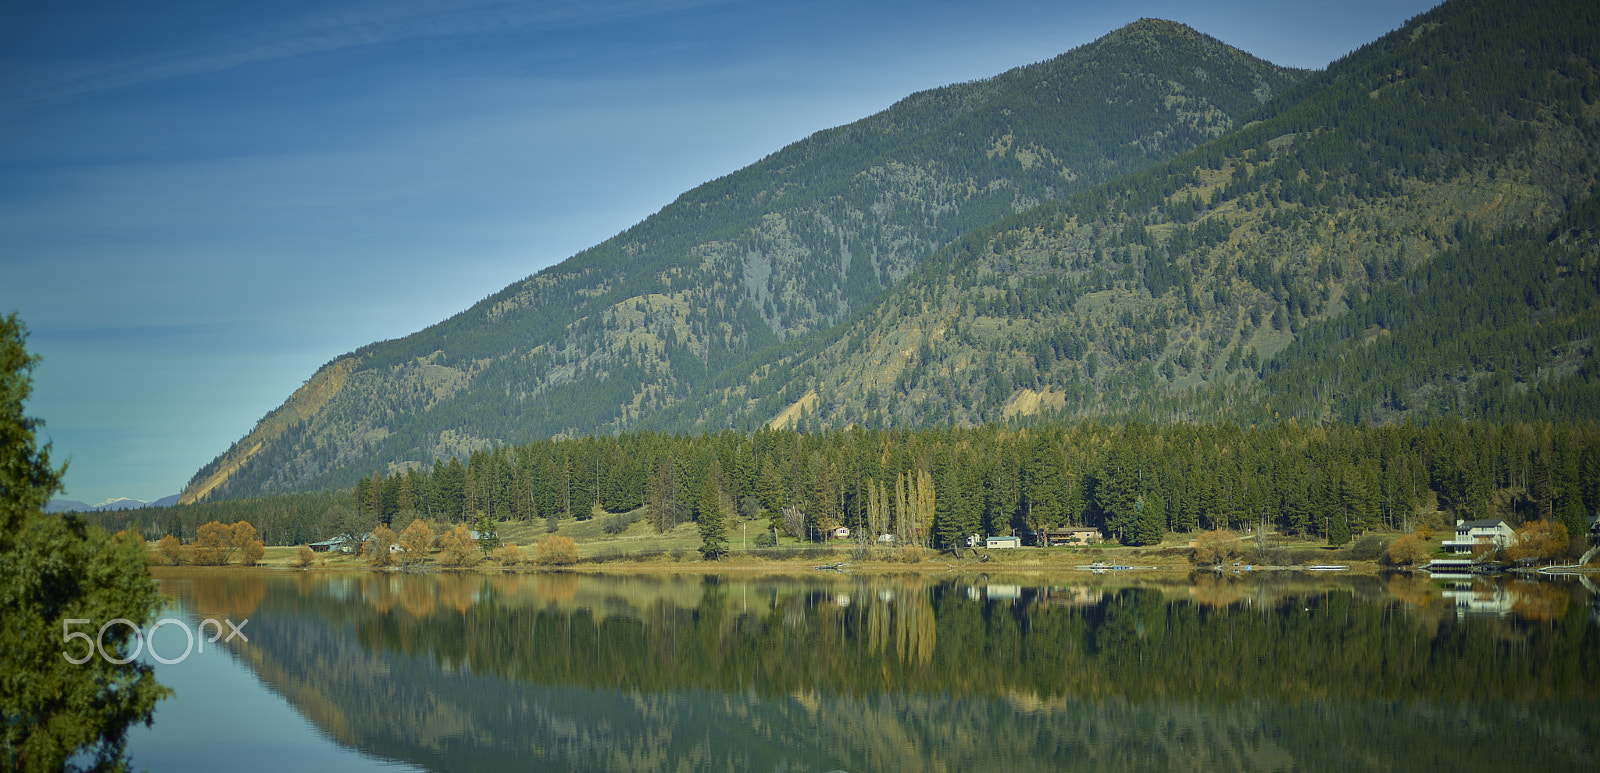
1134, 481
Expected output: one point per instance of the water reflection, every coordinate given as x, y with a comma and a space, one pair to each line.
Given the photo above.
558, 671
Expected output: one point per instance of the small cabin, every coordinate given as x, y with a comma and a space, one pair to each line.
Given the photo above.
1069, 536
839, 532
339, 544
1002, 542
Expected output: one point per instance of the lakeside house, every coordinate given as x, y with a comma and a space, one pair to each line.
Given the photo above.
340, 544
1471, 534
1068, 536
839, 532
1002, 542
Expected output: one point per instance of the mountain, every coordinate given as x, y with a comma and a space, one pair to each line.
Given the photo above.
777, 253
1151, 226
115, 503
1408, 235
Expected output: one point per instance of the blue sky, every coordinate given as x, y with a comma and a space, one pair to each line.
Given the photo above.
201, 203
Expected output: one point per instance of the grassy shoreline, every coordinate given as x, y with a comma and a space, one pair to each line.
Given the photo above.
676, 552
640, 550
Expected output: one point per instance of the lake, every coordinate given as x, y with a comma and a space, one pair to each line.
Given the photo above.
447, 672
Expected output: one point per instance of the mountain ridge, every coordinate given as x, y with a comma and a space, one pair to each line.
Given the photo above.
777, 252
1153, 297
1259, 249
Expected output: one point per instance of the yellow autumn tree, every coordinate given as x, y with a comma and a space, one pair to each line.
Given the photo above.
383, 538
415, 541
213, 544
1539, 540
1410, 550
1215, 547
555, 550
509, 554
169, 551
248, 543
456, 548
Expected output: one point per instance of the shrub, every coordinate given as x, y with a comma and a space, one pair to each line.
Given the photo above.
170, 551
555, 551
455, 548
382, 538
1266, 557
766, 539
509, 554
213, 544
1215, 547
616, 524
910, 554
1307, 556
1409, 550
1370, 547
1539, 540
248, 543
304, 556
415, 541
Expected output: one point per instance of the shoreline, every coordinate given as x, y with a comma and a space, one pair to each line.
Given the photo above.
792, 567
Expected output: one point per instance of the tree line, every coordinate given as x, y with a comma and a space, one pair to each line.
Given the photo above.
1134, 481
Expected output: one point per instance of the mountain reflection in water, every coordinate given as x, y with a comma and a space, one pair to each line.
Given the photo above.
568, 672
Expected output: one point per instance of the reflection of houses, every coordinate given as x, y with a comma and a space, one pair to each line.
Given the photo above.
1470, 534
1453, 567
1072, 535
1472, 599
1073, 596
994, 592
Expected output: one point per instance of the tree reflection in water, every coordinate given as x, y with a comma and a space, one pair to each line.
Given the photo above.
912, 673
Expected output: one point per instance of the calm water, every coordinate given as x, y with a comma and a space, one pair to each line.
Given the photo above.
559, 672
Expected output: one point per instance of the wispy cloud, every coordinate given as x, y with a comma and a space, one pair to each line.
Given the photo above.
329, 31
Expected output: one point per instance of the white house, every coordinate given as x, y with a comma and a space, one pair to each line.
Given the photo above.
1003, 542
1470, 534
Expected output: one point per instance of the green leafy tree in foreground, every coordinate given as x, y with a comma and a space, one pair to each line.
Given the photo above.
55, 714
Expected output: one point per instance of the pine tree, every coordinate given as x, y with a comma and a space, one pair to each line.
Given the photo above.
1338, 528
58, 573
713, 529
1151, 523
488, 533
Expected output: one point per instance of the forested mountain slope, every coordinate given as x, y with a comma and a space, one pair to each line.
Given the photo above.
1411, 233
781, 251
